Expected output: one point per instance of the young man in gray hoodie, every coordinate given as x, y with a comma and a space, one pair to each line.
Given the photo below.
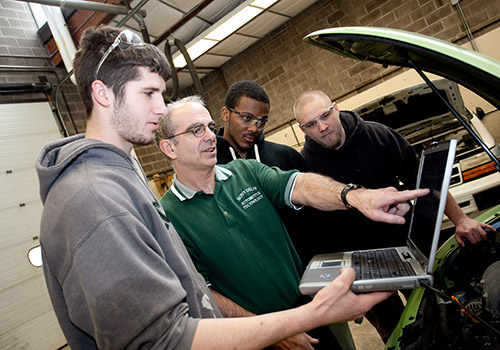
117, 273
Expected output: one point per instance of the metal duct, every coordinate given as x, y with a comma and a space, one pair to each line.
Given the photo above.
87, 5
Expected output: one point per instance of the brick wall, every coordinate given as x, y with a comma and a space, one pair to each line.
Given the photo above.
281, 62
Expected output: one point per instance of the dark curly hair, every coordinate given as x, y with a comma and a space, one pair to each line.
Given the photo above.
245, 88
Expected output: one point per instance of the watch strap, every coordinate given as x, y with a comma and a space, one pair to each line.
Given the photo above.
343, 194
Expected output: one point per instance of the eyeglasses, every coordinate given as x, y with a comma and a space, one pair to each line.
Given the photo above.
199, 130
314, 123
124, 41
249, 119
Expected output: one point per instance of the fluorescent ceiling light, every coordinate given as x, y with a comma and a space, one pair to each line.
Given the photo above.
263, 3
179, 61
222, 30
234, 23
195, 51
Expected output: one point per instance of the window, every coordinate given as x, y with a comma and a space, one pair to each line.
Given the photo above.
35, 256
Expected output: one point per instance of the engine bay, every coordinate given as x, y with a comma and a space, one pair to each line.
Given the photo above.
462, 310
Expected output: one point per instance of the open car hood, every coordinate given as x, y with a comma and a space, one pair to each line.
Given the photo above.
416, 112
477, 72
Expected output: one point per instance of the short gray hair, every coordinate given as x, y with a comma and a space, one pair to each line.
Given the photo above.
166, 127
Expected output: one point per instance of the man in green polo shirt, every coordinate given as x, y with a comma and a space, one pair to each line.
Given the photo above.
226, 215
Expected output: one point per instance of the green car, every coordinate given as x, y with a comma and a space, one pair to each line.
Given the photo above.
462, 308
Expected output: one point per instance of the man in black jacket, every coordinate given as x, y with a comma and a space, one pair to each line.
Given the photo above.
341, 145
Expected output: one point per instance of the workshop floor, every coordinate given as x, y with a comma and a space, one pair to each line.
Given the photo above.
365, 336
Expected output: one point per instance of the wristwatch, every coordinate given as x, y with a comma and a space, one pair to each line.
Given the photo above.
344, 192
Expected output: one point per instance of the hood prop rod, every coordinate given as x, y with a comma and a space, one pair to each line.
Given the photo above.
456, 114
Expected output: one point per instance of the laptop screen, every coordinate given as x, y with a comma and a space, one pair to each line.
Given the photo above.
425, 211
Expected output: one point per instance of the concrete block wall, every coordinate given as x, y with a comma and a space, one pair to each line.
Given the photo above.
20, 46
24, 58
286, 66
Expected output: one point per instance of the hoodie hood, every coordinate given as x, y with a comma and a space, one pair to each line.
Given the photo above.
55, 157
351, 122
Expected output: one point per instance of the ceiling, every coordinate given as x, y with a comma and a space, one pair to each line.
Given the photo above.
186, 19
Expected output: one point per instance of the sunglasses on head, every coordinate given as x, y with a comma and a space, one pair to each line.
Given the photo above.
124, 41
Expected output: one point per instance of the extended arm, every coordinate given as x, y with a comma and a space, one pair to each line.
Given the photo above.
386, 205
466, 227
334, 303
229, 308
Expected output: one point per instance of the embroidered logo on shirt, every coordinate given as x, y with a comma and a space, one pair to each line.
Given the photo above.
249, 196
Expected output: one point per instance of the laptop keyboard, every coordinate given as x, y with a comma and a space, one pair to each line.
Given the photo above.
381, 263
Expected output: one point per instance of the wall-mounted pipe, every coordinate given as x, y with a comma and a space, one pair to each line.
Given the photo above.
10, 88
87, 5
138, 18
171, 41
173, 74
134, 12
29, 68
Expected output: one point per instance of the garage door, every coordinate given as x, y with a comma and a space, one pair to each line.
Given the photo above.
27, 320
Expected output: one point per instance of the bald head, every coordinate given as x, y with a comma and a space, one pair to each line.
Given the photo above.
305, 99
319, 119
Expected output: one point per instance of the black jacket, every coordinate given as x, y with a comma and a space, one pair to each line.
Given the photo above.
270, 153
374, 156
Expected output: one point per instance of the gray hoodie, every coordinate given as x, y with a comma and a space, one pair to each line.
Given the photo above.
118, 275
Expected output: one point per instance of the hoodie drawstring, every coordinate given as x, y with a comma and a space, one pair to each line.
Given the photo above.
256, 150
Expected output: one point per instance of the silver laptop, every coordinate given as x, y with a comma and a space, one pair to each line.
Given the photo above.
398, 267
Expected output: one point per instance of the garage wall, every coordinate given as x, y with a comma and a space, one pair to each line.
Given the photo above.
27, 320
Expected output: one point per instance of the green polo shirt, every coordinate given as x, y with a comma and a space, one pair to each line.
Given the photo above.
235, 236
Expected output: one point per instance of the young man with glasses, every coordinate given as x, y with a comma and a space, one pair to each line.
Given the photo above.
245, 114
117, 272
226, 217
341, 145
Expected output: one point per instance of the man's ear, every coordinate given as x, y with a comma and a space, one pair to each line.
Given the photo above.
101, 93
224, 113
168, 148
336, 107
